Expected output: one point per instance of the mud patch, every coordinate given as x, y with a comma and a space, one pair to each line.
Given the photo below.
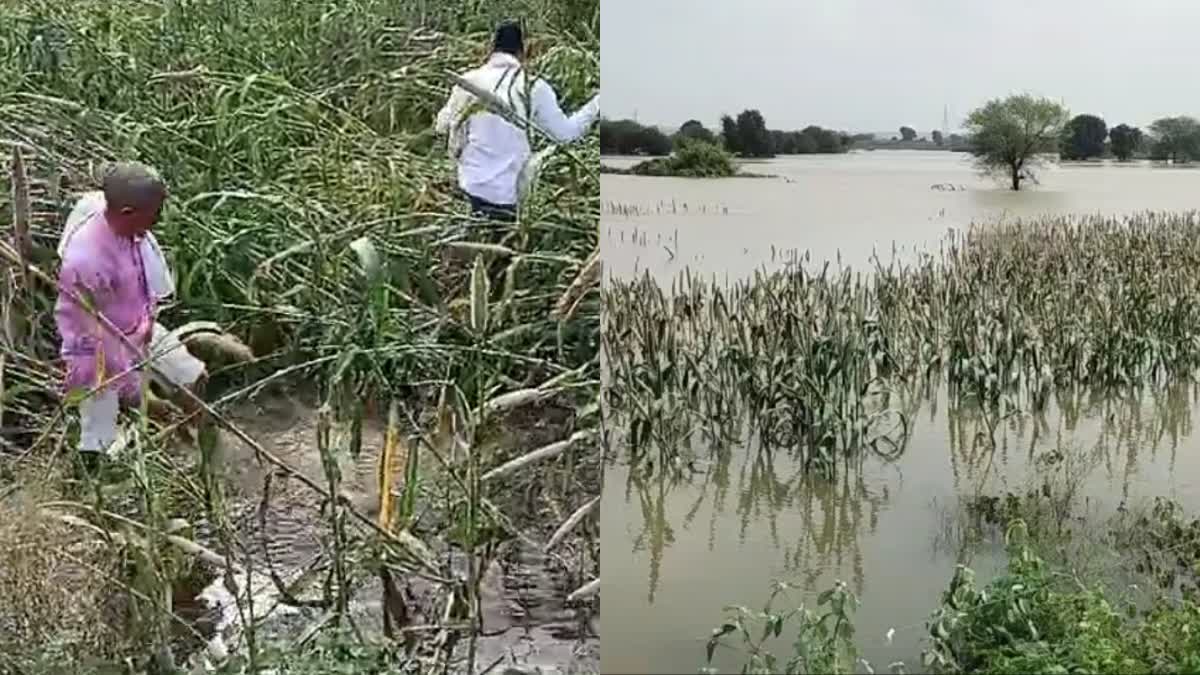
527, 625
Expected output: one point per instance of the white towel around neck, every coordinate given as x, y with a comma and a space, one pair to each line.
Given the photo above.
158, 275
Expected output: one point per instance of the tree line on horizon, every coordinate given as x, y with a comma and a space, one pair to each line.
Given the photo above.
747, 135
1176, 139
1086, 136
909, 135
1010, 136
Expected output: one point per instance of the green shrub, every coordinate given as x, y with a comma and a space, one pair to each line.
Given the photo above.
692, 159
1037, 620
1032, 619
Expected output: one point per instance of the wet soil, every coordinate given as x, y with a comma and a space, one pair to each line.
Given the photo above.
527, 625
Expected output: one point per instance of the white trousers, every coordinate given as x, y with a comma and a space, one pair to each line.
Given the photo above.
98, 413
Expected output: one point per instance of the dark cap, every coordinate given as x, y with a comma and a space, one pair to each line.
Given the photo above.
509, 38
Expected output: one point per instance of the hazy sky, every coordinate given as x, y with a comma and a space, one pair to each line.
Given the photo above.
873, 65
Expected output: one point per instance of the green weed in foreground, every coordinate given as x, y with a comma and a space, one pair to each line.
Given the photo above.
1036, 619
1033, 619
824, 638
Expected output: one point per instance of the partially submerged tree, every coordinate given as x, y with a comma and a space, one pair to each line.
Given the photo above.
1124, 141
1008, 134
1084, 137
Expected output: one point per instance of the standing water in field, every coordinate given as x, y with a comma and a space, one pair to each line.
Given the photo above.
850, 204
879, 427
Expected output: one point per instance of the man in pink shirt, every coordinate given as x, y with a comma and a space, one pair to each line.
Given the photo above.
103, 262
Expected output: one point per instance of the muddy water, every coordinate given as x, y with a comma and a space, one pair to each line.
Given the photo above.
527, 623
850, 204
676, 552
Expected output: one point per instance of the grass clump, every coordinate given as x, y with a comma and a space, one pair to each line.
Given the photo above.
55, 594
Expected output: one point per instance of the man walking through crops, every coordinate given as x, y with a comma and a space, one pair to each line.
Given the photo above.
112, 263
492, 152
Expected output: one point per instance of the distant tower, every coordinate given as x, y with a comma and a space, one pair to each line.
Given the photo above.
946, 122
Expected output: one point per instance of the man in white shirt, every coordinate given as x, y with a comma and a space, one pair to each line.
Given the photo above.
491, 151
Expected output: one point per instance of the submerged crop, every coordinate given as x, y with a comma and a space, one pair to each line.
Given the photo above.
813, 359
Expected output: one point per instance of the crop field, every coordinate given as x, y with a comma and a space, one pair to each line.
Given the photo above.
818, 361
402, 466
1038, 377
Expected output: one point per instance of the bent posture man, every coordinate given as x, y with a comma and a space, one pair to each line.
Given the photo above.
490, 150
111, 260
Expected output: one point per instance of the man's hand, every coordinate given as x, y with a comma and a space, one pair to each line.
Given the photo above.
194, 408
169, 414
161, 410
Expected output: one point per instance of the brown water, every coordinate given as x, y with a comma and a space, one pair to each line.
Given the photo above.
851, 204
676, 552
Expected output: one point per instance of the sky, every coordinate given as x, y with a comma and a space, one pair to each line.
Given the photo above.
874, 65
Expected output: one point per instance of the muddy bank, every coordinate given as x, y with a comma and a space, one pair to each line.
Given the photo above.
527, 625
83, 566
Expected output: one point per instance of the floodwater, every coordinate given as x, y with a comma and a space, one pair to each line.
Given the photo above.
676, 552
852, 204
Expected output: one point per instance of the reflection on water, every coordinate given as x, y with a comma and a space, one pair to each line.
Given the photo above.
692, 544
765, 488
678, 549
